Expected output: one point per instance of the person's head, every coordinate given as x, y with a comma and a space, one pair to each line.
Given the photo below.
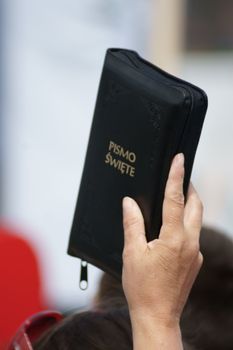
207, 320
110, 293
90, 330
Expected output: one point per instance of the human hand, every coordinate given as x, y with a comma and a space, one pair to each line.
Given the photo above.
158, 275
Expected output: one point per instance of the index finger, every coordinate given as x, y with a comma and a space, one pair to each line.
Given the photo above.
133, 224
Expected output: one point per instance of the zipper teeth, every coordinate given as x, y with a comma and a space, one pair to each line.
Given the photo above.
153, 66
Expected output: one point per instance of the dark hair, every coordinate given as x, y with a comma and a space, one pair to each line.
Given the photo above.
110, 293
90, 330
207, 320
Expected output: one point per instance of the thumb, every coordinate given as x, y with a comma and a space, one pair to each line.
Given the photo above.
133, 223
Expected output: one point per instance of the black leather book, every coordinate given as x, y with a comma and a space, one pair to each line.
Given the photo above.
143, 117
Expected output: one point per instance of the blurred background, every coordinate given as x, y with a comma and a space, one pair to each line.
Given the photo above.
51, 59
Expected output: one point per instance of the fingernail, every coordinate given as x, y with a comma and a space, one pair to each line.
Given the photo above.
179, 159
127, 203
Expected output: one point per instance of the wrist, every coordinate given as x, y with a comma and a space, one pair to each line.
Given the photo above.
155, 333
165, 321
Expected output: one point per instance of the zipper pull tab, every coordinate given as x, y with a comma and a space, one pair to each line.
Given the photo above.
83, 282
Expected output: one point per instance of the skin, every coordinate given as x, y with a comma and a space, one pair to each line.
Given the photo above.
158, 275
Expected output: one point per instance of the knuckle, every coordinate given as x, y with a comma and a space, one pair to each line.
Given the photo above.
181, 246
200, 259
193, 248
177, 245
130, 222
176, 198
172, 219
196, 224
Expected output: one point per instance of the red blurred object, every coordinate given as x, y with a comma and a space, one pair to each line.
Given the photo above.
20, 284
33, 328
